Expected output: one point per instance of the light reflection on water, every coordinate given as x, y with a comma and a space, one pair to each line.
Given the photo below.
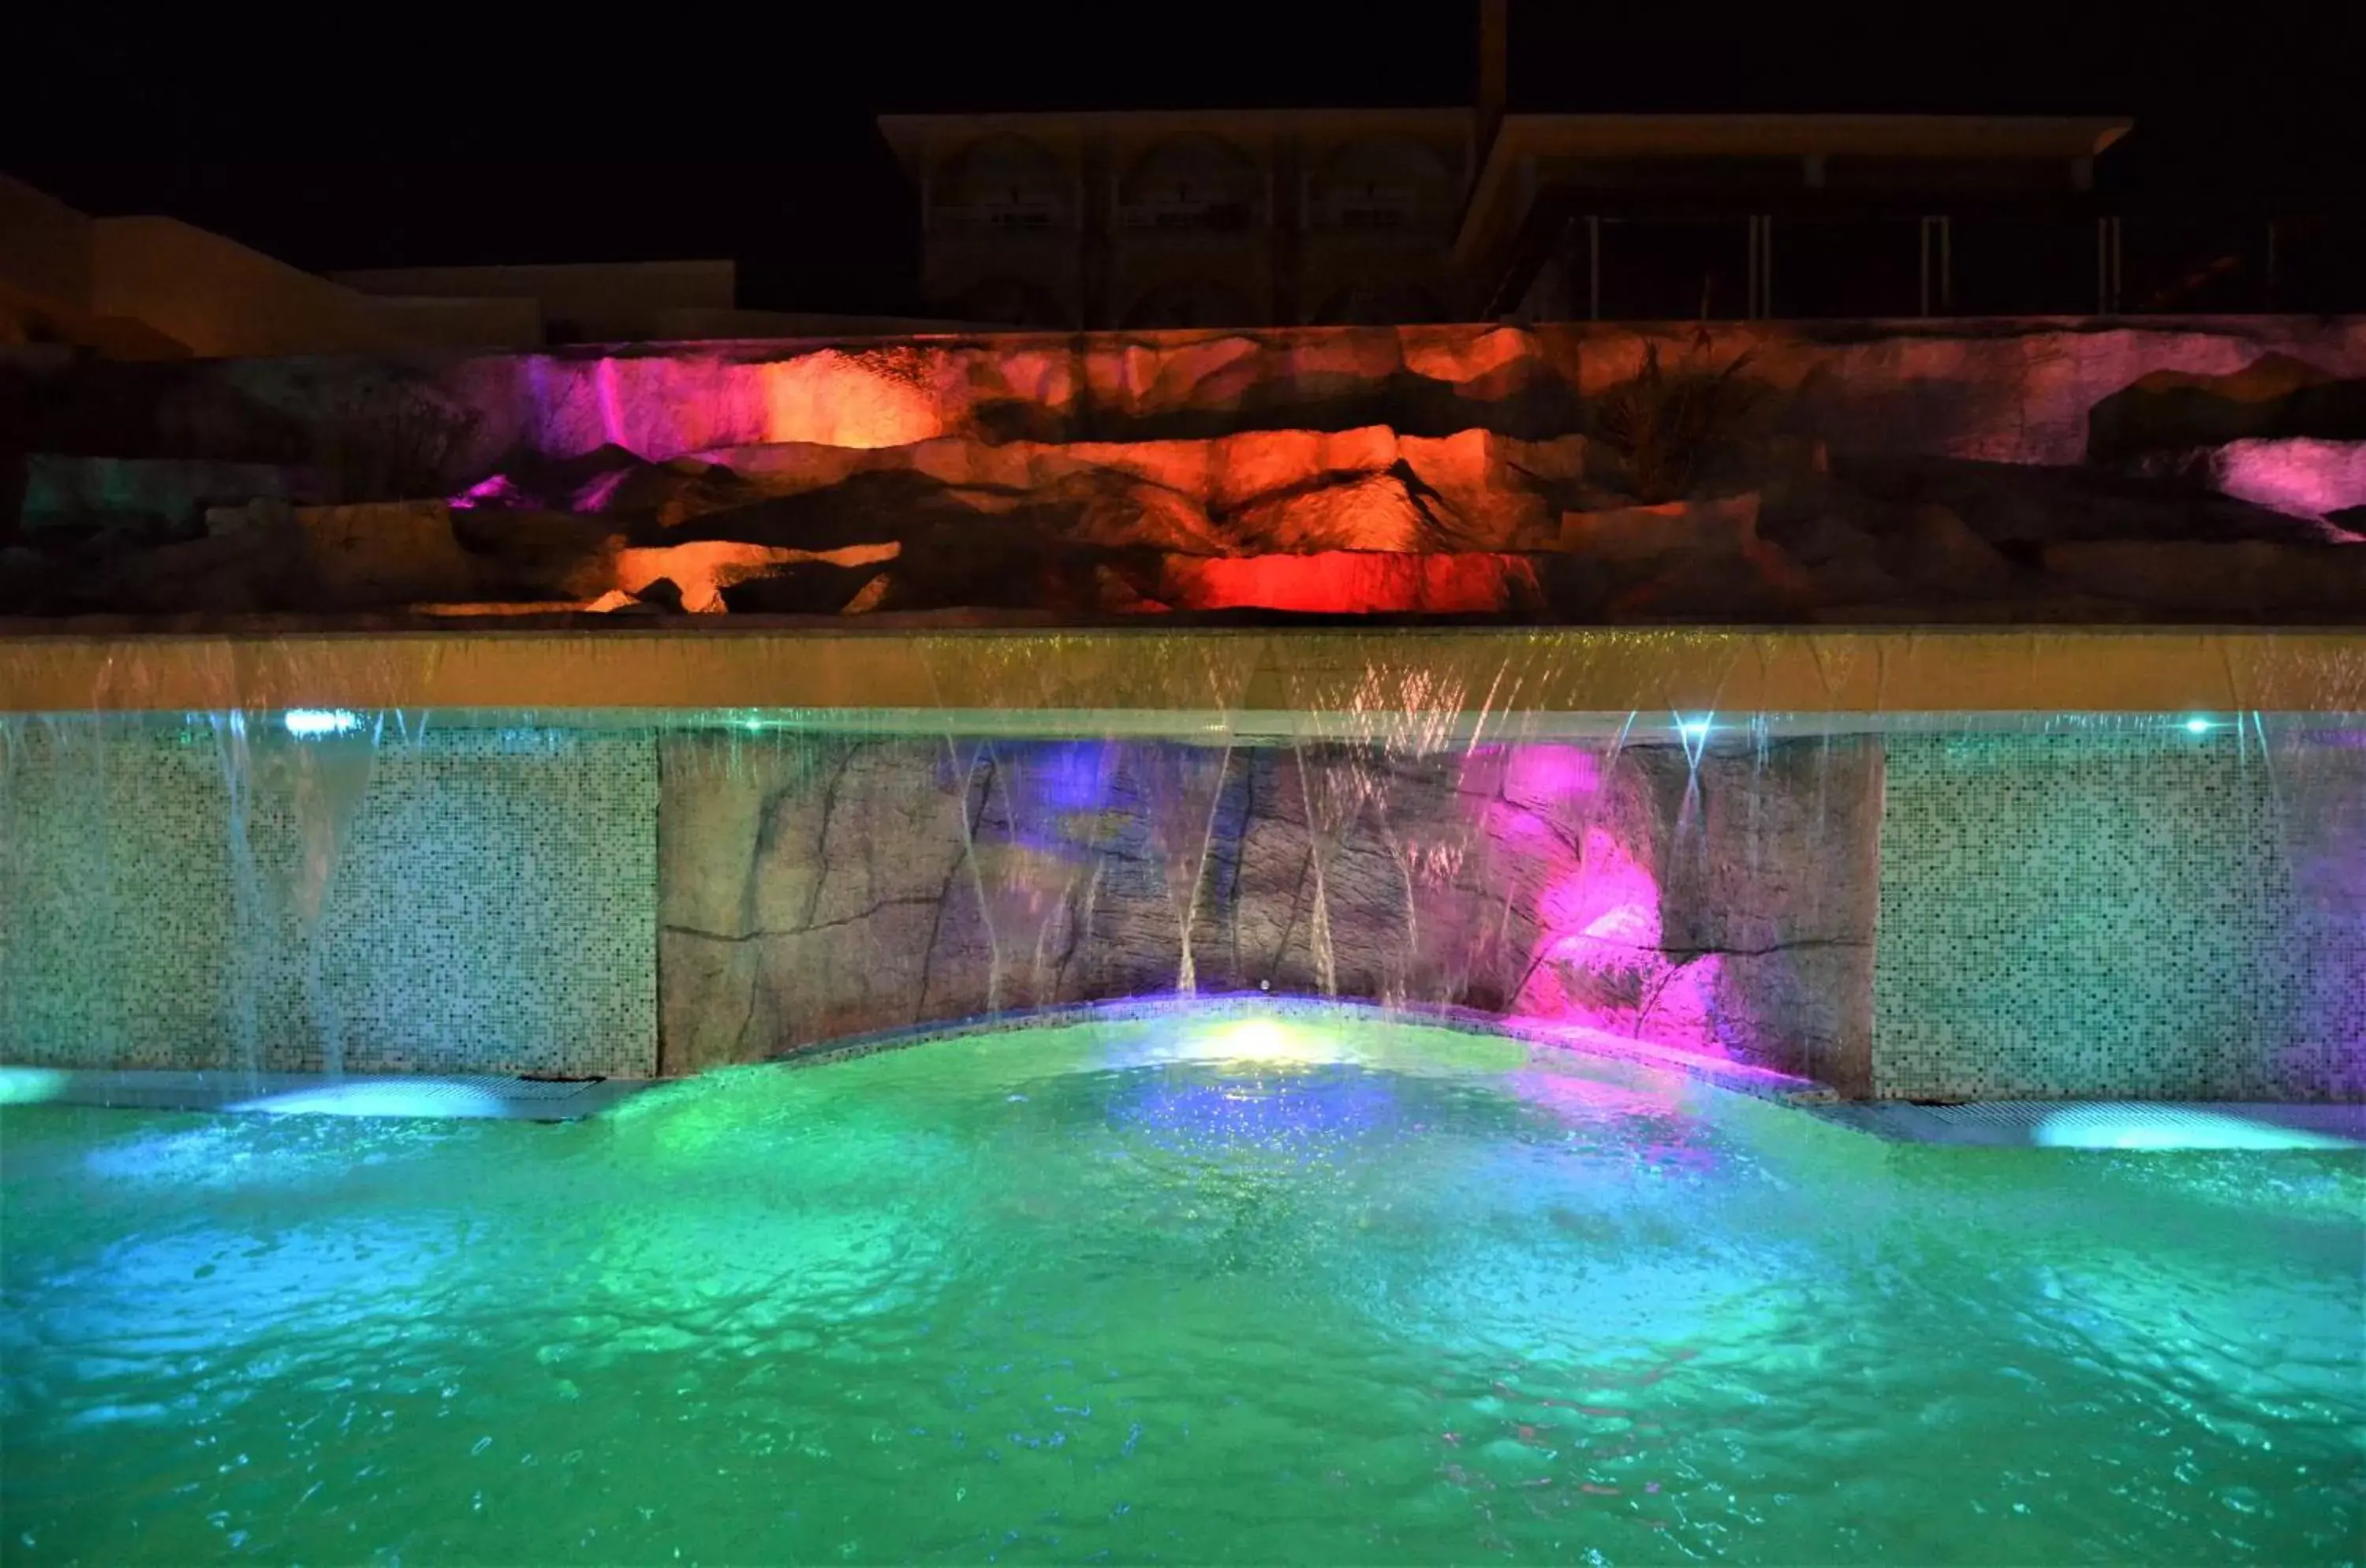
1350, 1292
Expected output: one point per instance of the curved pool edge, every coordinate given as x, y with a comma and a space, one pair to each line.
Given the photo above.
1763, 1083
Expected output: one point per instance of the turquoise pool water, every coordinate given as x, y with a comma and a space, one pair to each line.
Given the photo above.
1208, 1288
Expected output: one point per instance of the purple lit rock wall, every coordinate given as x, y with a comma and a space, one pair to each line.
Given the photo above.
818, 889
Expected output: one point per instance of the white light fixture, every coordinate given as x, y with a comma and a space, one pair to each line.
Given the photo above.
311, 723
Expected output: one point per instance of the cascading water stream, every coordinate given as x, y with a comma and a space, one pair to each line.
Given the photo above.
240, 979
330, 779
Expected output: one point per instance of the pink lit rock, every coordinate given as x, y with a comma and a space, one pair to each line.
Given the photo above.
2304, 477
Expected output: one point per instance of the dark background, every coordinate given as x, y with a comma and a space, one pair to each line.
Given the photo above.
412, 136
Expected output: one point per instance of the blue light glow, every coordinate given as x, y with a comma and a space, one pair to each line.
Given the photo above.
1692, 729
309, 724
2198, 725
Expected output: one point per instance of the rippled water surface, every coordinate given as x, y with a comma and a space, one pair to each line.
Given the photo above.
1193, 1290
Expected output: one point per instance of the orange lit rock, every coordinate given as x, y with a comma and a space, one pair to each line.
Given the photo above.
1491, 491
1360, 512
703, 570
1350, 583
882, 398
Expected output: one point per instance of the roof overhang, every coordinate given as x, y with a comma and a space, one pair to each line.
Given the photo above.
910, 135
1486, 218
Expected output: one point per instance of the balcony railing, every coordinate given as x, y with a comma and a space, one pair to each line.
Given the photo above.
1005, 217
1218, 217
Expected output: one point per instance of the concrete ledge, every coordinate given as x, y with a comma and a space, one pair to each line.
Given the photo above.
1204, 670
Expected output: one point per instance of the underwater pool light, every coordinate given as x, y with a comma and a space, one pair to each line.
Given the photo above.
2171, 1127
31, 1086
2199, 726
309, 724
1692, 729
378, 1098
1254, 1042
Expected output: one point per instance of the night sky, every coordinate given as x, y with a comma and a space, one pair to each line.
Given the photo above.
386, 137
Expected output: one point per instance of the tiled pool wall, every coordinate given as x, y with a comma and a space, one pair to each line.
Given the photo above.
2099, 911
479, 899
2126, 914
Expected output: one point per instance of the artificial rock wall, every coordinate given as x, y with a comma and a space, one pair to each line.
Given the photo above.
820, 889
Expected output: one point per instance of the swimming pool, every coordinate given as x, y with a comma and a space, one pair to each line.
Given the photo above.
1225, 1284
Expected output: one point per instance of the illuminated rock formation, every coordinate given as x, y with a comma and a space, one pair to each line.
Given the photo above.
1954, 472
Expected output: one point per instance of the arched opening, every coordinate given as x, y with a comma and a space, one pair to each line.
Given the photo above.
1382, 184
1191, 181
1004, 181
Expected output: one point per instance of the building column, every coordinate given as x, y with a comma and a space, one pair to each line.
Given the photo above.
1096, 211
1938, 267
1759, 292
2107, 266
1594, 268
1286, 214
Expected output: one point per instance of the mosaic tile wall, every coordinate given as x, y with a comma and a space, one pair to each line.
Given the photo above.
2116, 914
461, 899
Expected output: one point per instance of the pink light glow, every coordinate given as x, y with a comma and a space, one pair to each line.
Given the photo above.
1551, 776
1598, 961
612, 406
595, 496
498, 491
